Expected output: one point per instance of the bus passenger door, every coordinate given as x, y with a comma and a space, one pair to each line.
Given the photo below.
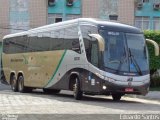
94, 60
92, 84
94, 53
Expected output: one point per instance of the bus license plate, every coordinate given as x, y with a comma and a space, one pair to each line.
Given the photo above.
129, 90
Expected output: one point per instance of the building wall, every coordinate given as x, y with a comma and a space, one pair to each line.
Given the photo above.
61, 10
107, 8
126, 11
18, 15
61, 7
38, 13
146, 17
103, 8
4, 18
90, 8
13, 16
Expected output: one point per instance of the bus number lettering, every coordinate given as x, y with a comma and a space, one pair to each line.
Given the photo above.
76, 58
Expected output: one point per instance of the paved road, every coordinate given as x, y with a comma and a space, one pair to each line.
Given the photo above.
39, 103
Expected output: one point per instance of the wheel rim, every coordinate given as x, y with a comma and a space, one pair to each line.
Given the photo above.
75, 88
13, 83
20, 84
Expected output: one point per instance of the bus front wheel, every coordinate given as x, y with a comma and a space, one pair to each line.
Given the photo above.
116, 97
14, 85
77, 90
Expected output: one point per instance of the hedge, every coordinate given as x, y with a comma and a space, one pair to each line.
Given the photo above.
154, 60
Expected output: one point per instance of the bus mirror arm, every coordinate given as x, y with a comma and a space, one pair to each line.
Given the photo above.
101, 42
156, 46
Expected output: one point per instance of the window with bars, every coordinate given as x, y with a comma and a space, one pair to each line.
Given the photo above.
145, 1
156, 23
142, 23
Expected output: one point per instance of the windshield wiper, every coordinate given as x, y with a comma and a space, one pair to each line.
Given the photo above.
121, 61
134, 62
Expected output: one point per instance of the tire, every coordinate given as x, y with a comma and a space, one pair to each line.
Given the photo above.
77, 93
50, 91
21, 87
116, 97
14, 84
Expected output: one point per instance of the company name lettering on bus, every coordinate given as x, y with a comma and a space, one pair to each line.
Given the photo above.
76, 58
16, 60
113, 33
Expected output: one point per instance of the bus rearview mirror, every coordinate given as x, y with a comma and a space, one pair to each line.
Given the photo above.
101, 42
156, 46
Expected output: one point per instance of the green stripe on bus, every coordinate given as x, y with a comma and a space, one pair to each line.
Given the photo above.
25, 59
56, 68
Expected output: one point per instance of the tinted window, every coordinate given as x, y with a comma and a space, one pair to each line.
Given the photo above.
21, 44
88, 41
47, 41
15, 45
40, 42
7, 45
44, 41
71, 39
57, 40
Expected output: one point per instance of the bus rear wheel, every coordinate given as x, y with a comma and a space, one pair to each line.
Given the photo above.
14, 85
116, 96
21, 87
77, 93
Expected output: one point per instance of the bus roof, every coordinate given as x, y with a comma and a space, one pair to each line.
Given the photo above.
102, 24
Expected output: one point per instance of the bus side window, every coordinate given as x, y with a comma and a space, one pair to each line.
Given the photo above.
21, 43
6, 45
91, 46
43, 42
10, 45
57, 40
71, 39
32, 44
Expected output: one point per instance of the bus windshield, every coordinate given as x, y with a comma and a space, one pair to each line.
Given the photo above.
125, 52
137, 46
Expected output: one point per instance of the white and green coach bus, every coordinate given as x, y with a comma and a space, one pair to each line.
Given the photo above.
84, 55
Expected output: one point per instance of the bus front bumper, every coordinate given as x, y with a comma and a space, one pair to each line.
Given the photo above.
127, 88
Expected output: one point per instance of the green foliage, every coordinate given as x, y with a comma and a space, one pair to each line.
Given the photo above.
154, 60
155, 82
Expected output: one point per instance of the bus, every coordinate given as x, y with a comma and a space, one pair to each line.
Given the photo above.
85, 55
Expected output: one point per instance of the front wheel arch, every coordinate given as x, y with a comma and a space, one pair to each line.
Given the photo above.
20, 74
72, 80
